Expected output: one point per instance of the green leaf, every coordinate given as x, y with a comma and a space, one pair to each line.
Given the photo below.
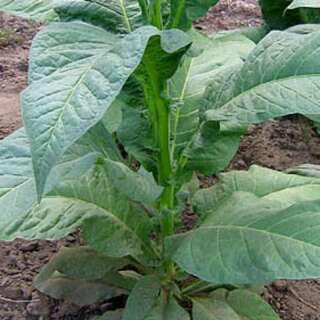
135, 133
273, 81
183, 12
17, 188
138, 186
188, 85
74, 98
142, 299
116, 15
252, 240
250, 306
285, 189
234, 305
169, 311
78, 275
187, 92
304, 4
110, 223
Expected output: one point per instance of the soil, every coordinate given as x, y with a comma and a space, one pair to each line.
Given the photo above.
278, 144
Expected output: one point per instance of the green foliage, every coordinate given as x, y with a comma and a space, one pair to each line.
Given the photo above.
281, 14
134, 76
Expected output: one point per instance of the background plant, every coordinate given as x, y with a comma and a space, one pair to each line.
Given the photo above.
135, 72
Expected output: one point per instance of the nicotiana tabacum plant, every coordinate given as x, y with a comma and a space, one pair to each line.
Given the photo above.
135, 73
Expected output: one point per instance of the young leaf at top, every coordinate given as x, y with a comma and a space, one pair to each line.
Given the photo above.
273, 82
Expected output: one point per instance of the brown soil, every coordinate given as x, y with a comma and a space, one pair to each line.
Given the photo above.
278, 144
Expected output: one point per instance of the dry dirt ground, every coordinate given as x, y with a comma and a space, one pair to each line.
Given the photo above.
278, 144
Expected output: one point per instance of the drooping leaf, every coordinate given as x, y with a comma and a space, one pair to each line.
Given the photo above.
183, 12
273, 81
17, 188
110, 223
234, 305
79, 276
285, 189
252, 240
74, 98
142, 299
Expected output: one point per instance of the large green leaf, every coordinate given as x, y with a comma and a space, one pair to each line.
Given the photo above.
110, 223
286, 189
274, 81
252, 240
17, 188
79, 275
251, 220
74, 98
236, 305
110, 315
116, 15
183, 12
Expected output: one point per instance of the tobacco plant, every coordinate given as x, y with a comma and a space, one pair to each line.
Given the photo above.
126, 103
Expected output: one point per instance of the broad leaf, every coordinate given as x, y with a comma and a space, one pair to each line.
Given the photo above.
115, 15
110, 223
183, 12
285, 189
252, 240
79, 275
138, 186
234, 305
142, 299
17, 188
74, 98
273, 81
